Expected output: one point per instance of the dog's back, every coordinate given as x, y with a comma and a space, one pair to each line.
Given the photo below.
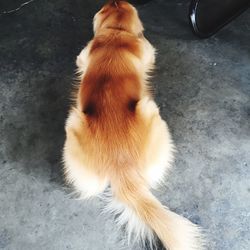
109, 93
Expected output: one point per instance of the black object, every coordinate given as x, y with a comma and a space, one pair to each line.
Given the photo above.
208, 16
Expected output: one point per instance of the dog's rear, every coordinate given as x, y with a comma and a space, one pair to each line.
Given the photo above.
115, 134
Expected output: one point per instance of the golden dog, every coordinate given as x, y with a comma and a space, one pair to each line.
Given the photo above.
115, 135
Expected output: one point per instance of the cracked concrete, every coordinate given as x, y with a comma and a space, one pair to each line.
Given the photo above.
12, 11
202, 87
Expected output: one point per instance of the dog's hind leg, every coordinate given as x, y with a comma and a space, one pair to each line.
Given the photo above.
160, 151
77, 171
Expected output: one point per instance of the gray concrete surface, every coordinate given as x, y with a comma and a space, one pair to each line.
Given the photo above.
202, 87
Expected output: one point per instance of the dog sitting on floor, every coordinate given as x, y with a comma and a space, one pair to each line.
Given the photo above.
115, 135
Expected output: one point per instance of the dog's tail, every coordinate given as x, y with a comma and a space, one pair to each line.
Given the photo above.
143, 215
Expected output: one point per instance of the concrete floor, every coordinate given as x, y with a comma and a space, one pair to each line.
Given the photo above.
202, 87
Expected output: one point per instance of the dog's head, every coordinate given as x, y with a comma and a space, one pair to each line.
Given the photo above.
118, 15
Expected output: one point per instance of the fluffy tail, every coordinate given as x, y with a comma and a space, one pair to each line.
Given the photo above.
143, 214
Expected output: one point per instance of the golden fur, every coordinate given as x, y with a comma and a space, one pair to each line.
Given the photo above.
115, 134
